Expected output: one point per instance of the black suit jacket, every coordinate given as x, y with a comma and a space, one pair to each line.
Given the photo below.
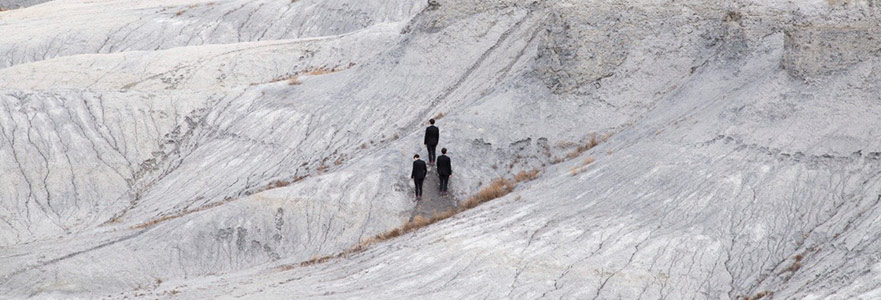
444, 168
432, 134
419, 169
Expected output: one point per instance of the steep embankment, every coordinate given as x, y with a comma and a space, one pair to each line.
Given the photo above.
740, 154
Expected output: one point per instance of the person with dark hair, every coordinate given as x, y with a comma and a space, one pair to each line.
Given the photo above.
432, 134
418, 175
444, 170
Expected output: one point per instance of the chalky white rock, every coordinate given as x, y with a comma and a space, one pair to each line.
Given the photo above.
190, 149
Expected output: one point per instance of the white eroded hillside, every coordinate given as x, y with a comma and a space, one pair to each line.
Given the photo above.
204, 149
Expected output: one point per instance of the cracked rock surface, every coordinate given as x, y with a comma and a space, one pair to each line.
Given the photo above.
192, 149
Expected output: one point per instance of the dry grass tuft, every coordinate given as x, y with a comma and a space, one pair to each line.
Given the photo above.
115, 219
758, 296
444, 214
286, 267
277, 184
321, 71
592, 142
497, 188
291, 80
439, 116
795, 266
582, 167
566, 144
526, 176
322, 168
294, 80
587, 161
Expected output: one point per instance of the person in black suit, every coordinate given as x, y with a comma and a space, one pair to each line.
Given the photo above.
418, 175
432, 135
444, 170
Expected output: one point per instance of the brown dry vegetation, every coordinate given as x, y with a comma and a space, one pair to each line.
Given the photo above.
593, 142
497, 188
582, 167
322, 168
294, 80
339, 161
439, 116
321, 71
526, 176
758, 296
277, 184
580, 148
291, 79
795, 266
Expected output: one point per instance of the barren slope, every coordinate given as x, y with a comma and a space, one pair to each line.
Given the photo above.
740, 156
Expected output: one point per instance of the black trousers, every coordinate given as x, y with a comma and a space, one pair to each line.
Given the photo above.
444, 181
418, 182
431, 153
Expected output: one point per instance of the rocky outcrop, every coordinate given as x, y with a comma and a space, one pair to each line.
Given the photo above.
813, 51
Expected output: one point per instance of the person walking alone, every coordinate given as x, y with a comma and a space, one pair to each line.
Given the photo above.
444, 170
418, 175
432, 135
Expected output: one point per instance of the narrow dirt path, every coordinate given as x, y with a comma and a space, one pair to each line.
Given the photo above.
432, 202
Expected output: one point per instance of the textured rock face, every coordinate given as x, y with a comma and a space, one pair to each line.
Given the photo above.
187, 150
816, 51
